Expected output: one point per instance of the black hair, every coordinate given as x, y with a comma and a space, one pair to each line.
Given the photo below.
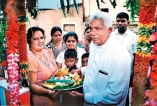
87, 29
64, 37
54, 29
85, 55
123, 15
31, 31
70, 34
70, 53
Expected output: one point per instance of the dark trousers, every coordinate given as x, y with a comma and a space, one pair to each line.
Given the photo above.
130, 85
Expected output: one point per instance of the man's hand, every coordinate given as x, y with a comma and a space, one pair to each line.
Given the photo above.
76, 94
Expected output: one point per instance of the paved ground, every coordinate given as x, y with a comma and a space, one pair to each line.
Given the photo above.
130, 91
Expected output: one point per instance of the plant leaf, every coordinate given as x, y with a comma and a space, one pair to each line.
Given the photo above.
76, 6
63, 7
68, 6
114, 4
98, 4
102, 1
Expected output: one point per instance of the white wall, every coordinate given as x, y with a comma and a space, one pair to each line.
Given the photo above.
91, 7
49, 18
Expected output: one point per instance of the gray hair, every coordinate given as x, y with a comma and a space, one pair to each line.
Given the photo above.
106, 18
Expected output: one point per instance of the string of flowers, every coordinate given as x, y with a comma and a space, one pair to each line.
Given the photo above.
23, 50
22, 43
142, 61
152, 92
12, 53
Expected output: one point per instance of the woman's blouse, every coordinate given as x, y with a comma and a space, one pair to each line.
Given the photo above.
35, 64
55, 50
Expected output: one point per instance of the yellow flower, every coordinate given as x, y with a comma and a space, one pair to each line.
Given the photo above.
140, 39
147, 40
147, 54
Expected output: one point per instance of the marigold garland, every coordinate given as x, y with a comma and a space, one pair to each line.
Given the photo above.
139, 81
12, 52
23, 49
146, 19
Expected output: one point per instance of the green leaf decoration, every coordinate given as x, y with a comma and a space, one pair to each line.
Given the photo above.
133, 5
31, 6
102, 1
98, 4
76, 6
3, 28
68, 6
114, 4
63, 7
127, 4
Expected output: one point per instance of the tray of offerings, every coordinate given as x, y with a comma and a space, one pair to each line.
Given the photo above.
63, 80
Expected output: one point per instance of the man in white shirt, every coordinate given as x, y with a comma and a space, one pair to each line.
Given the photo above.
107, 74
127, 38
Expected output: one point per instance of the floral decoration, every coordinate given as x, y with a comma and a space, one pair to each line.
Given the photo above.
152, 92
22, 45
12, 52
139, 82
142, 59
13, 76
143, 41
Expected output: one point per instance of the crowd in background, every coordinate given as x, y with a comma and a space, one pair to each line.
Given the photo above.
104, 60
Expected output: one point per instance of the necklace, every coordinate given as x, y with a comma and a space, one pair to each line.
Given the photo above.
45, 62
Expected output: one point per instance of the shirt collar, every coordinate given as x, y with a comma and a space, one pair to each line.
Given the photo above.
126, 32
108, 42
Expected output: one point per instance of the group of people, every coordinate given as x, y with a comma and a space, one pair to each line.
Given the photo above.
106, 62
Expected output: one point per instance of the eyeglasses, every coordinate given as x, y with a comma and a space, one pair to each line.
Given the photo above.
121, 20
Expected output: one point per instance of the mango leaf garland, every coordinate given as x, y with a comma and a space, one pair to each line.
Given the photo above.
68, 6
63, 7
113, 3
98, 4
133, 5
102, 1
76, 6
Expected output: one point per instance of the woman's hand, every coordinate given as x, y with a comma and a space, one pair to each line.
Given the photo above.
51, 92
55, 95
76, 71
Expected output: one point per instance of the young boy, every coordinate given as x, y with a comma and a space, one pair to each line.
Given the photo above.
70, 57
84, 59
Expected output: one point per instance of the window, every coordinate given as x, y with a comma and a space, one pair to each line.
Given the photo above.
67, 27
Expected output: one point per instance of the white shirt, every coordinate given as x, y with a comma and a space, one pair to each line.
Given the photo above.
129, 40
80, 52
112, 58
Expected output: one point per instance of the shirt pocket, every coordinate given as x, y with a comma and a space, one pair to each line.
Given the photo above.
102, 81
